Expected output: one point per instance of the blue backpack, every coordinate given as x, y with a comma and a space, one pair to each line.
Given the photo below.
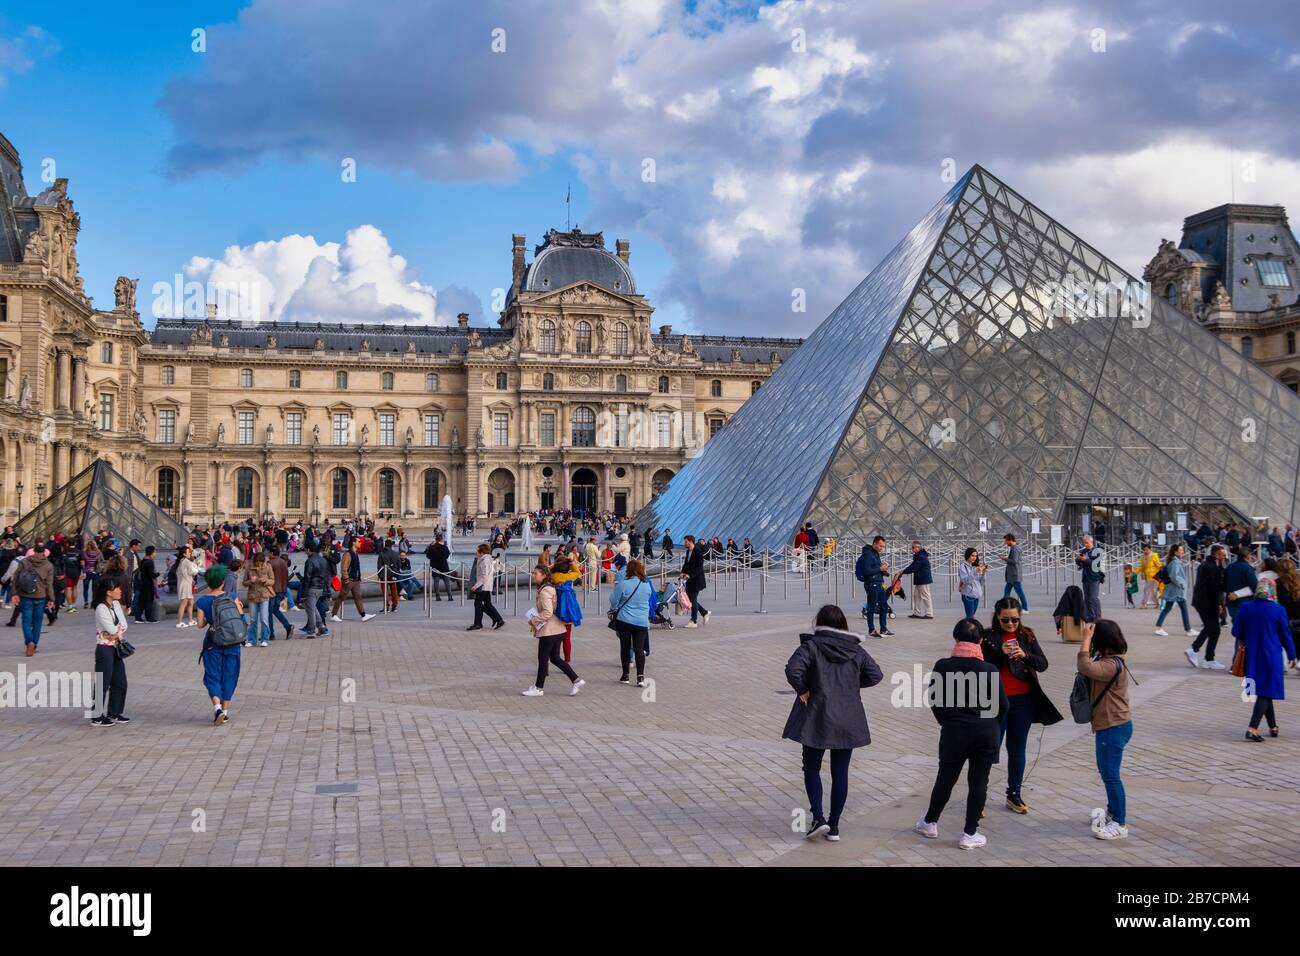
567, 608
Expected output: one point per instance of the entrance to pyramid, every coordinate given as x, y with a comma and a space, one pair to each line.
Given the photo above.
1144, 518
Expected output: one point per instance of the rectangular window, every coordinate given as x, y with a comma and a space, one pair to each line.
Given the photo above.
342, 427
168, 375
715, 426
167, 425
106, 412
547, 429
245, 428
4, 308
295, 378
1272, 272
293, 428
620, 428
387, 428
501, 429
663, 430
4, 376
432, 425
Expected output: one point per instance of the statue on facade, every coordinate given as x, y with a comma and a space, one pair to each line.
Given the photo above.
475, 340
365, 432
318, 344
202, 335
221, 433
455, 436
478, 437
272, 342
410, 345
36, 248
365, 345
270, 433
315, 434
189, 431
140, 421
410, 436
25, 393
124, 294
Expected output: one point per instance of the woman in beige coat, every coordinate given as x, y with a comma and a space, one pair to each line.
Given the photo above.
549, 631
259, 579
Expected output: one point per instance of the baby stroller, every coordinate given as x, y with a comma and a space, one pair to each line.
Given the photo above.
658, 607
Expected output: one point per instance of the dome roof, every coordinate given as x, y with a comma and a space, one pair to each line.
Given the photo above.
568, 257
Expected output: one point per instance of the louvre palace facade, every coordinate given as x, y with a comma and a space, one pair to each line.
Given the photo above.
572, 399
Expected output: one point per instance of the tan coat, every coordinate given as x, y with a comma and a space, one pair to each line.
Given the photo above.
260, 581
546, 624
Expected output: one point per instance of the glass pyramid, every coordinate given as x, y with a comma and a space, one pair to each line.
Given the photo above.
99, 497
993, 365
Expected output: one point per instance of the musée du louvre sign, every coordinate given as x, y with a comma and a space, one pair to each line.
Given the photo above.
1145, 500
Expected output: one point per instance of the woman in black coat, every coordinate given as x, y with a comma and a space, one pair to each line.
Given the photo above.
1014, 650
828, 671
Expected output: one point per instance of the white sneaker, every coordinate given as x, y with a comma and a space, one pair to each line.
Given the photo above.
366, 617
1191, 657
1191, 635
1160, 631
970, 841
248, 643
928, 830
707, 615
577, 686
1098, 818
1213, 666
533, 692
336, 618
180, 624
691, 624
1111, 831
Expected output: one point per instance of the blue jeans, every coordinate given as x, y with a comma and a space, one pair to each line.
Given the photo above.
33, 610
278, 614
971, 604
294, 593
88, 581
1020, 593
876, 605
1110, 751
812, 781
259, 621
1014, 725
1169, 606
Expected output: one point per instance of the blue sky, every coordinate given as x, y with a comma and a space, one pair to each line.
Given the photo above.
792, 144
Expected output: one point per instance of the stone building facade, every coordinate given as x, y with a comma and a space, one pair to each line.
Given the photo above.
571, 400
1236, 270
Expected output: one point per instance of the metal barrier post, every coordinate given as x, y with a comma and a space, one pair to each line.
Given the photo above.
762, 584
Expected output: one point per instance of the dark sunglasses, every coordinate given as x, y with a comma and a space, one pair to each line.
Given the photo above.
1008, 620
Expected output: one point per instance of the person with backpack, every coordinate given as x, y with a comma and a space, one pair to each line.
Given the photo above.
549, 631
33, 580
828, 670
870, 570
968, 729
1264, 630
72, 559
481, 587
1103, 701
566, 576
1092, 571
110, 631
222, 616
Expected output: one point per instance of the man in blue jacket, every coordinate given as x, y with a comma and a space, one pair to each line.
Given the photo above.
922, 578
870, 570
1238, 576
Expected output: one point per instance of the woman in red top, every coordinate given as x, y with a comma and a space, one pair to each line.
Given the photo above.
1011, 647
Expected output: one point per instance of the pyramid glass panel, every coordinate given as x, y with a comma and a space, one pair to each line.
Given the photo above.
996, 366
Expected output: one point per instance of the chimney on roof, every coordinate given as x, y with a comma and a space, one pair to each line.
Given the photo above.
462, 320
517, 261
624, 250
665, 330
211, 311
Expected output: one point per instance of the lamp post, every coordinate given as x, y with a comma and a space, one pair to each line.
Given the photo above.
40, 492
315, 512
20, 499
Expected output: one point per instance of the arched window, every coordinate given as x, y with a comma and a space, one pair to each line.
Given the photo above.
167, 488
582, 338
753, 387
387, 489
620, 338
502, 381
244, 488
341, 380
430, 497
106, 353
339, 488
245, 378
168, 375
1171, 294
546, 336
431, 382
292, 489
620, 383
548, 382
715, 388
386, 381
1247, 346
663, 384
295, 378
584, 427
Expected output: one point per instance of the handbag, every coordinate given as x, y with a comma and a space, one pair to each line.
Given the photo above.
1238, 668
124, 649
613, 614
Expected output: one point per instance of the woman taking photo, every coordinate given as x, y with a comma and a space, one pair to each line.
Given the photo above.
1175, 591
187, 569
1013, 649
630, 606
481, 587
828, 671
970, 581
1101, 660
1264, 631
259, 582
110, 629
549, 631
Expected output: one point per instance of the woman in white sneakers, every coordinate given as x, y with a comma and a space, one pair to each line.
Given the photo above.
549, 631
1101, 660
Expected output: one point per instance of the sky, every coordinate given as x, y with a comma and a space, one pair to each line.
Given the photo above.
340, 160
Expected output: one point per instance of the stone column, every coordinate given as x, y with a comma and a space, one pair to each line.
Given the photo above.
59, 455
408, 492
606, 496
63, 380
78, 385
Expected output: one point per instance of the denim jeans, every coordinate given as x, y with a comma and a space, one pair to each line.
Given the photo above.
971, 605
1110, 751
88, 581
1169, 606
33, 610
278, 615
1091, 600
1014, 726
812, 781
876, 606
1020, 593
259, 621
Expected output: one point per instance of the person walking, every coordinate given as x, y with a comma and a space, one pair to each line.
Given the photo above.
549, 631
922, 580
1288, 594
350, 576
481, 588
440, 572
1175, 592
259, 586
970, 581
870, 570
315, 579
33, 579
90, 559
1265, 632
73, 562
1148, 566
1207, 598
390, 573
221, 615
1240, 581
1101, 660
146, 578
968, 729
630, 612
280, 575
828, 670
591, 557
110, 630
667, 544
1011, 647
693, 579
1014, 572
1091, 563
566, 576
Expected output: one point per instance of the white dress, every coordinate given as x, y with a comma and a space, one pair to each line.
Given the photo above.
186, 571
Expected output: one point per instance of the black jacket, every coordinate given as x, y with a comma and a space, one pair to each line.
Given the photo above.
693, 567
1035, 662
1207, 594
832, 667
949, 699
438, 555
389, 565
315, 573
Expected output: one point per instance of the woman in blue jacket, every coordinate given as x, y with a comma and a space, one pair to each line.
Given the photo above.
1262, 625
630, 605
1175, 590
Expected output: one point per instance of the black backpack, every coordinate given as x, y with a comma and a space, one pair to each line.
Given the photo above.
227, 628
1081, 703
28, 581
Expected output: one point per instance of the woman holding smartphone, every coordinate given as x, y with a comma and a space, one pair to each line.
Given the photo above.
1013, 649
970, 581
110, 628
